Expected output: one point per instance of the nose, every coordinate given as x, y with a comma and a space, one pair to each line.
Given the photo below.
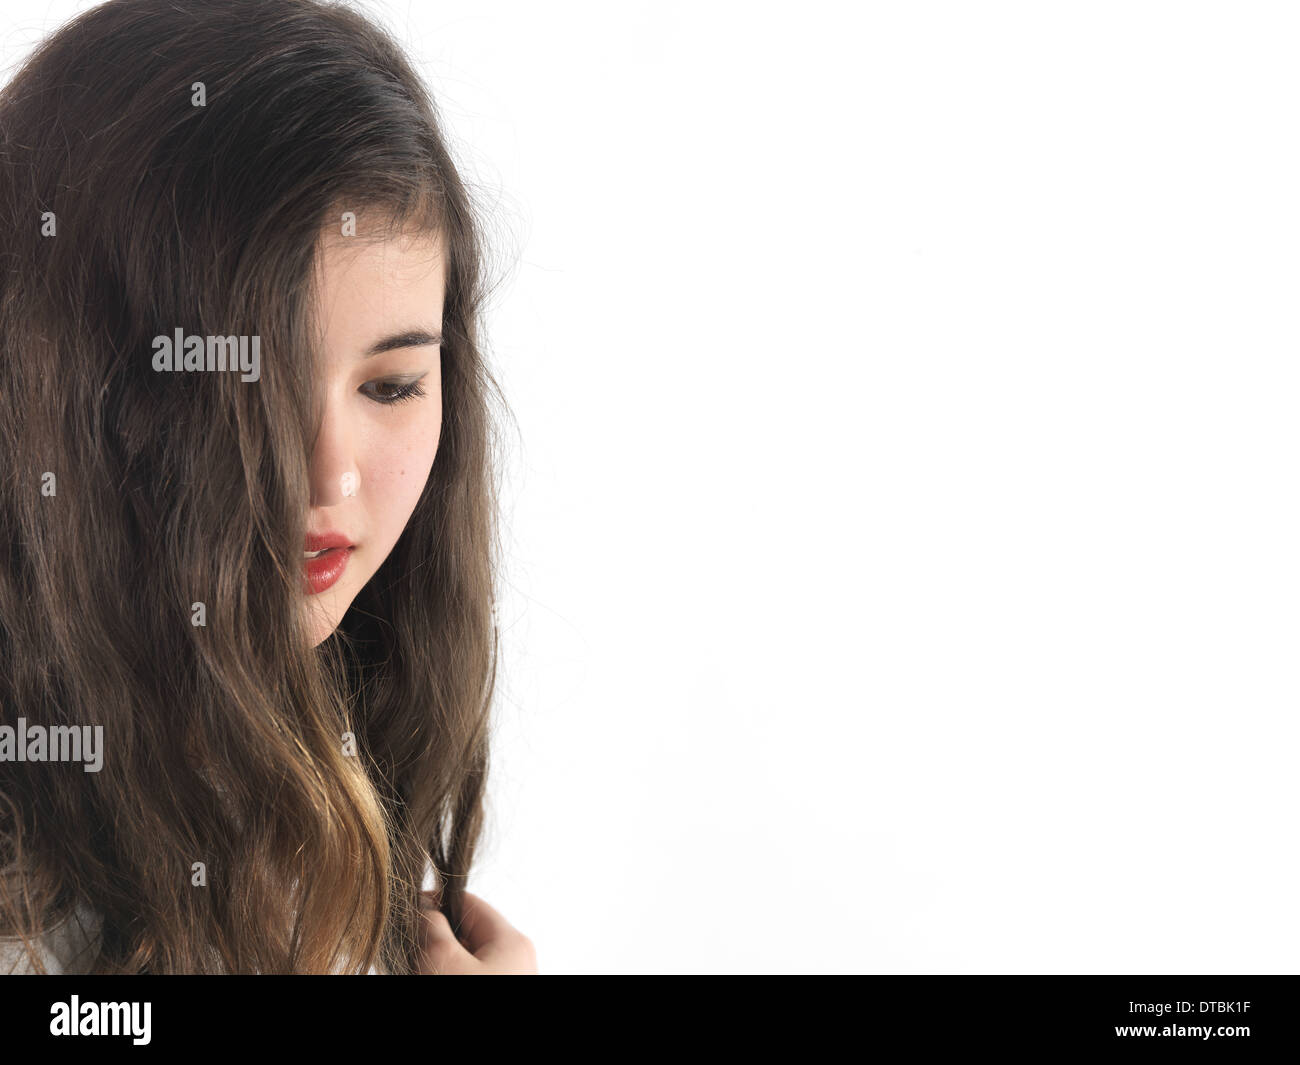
334, 473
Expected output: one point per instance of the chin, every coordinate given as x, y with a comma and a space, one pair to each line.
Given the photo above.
324, 620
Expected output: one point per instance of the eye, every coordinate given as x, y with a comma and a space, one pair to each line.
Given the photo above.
396, 393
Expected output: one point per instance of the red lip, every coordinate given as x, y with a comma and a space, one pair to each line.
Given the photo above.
320, 541
321, 572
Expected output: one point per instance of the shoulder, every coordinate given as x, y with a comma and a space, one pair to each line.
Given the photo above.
68, 947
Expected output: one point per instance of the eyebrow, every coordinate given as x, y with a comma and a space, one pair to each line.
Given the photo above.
410, 338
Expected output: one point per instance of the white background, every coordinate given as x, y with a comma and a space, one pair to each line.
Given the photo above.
901, 513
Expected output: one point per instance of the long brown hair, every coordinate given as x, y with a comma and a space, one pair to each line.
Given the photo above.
134, 201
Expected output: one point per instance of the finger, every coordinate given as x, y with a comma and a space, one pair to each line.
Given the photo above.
481, 924
435, 931
441, 953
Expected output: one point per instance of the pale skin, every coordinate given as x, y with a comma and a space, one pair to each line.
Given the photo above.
369, 465
488, 943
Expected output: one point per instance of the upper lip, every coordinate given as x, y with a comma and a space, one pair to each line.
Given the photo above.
322, 540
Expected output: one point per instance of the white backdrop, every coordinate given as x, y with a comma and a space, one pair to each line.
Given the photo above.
901, 512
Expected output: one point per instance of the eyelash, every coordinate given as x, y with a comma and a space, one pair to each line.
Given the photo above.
401, 395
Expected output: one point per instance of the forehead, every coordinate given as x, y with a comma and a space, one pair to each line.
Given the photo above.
362, 284
404, 252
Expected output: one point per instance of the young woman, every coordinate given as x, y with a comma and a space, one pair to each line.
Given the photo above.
240, 305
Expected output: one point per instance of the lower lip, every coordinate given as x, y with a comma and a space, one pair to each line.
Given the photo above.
321, 572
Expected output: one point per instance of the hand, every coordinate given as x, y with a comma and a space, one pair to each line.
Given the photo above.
488, 944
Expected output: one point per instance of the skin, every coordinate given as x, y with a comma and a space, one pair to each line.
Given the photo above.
367, 291
369, 465
488, 943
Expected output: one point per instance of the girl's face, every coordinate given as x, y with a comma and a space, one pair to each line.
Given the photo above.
379, 311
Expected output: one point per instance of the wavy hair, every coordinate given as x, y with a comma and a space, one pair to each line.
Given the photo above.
131, 206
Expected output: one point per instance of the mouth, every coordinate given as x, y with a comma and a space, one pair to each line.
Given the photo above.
321, 568
318, 543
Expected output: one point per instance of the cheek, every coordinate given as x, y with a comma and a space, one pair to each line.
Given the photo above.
393, 472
